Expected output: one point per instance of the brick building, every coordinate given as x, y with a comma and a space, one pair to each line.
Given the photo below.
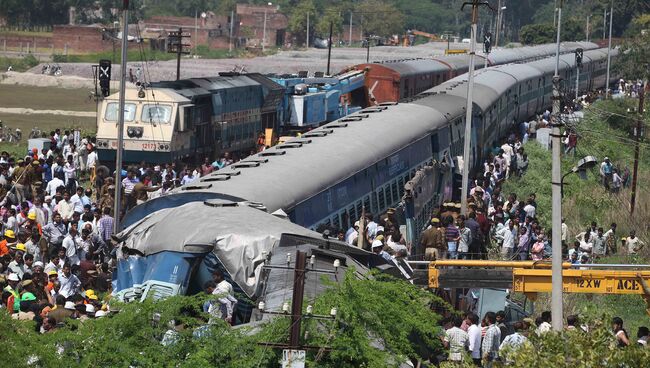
209, 29
251, 22
81, 38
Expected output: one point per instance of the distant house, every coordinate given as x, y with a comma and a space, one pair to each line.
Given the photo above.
251, 23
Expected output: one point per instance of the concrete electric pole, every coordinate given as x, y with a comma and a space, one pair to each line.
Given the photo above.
556, 177
468, 115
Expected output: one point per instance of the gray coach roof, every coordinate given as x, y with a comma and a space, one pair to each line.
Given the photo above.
296, 174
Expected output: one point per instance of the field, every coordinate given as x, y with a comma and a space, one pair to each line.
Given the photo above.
43, 98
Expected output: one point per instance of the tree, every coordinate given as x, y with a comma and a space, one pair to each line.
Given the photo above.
634, 55
298, 20
381, 18
330, 15
533, 34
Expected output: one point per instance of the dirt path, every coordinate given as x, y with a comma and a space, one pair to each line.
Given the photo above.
27, 111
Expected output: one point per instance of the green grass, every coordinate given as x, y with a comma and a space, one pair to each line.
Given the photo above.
18, 64
48, 123
600, 134
26, 33
45, 98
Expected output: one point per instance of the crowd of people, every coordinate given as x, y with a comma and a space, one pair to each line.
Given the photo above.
485, 342
57, 215
56, 256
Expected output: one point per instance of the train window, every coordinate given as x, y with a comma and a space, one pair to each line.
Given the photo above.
373, 204
156, 114
359, 205
382, 200
345, 220
400, 186
387, 195
111, 112
352, 215
335, 222
394, 190
366, 204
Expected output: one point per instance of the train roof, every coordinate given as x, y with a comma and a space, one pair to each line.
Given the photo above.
412, 66
197, 87
453, 106
279, 175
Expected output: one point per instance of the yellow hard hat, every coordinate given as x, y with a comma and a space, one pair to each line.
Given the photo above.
21, 247
9, 234
32, 216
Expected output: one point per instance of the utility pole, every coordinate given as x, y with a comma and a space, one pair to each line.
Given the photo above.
307, 29
329, 49
232, 22
350, 42
176, 46
196, 29
556, 177
367, 50
604, 23
117, 209
297, 298
498, 25
470, 89
587, 28
264, 33
639, 129
609, 49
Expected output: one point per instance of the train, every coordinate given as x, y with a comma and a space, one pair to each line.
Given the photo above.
395, 80
189, 119
326, 177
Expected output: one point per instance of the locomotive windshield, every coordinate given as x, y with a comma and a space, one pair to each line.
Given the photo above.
111, 112
156, 114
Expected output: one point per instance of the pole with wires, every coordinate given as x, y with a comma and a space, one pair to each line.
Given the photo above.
468, 108
556, 177
609, 49
639, 129
120, 119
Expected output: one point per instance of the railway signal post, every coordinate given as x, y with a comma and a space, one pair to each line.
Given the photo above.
470, 89
556, 181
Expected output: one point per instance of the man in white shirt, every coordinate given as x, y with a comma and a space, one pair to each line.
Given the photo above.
474, 333
70, 284
456, 340
530, 209
509, 235
70, 243
634, 244
65, 207
52, 185
545, 326
78, 205
224, 306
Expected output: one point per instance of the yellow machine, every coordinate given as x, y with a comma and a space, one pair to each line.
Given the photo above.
532, 277
455, 52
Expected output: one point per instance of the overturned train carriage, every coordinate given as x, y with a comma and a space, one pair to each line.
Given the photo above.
327, 176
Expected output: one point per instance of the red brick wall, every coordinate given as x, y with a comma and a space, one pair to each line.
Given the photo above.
15, 41
80, 39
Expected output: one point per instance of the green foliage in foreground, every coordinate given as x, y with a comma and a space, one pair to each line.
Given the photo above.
578, 350
392, 314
